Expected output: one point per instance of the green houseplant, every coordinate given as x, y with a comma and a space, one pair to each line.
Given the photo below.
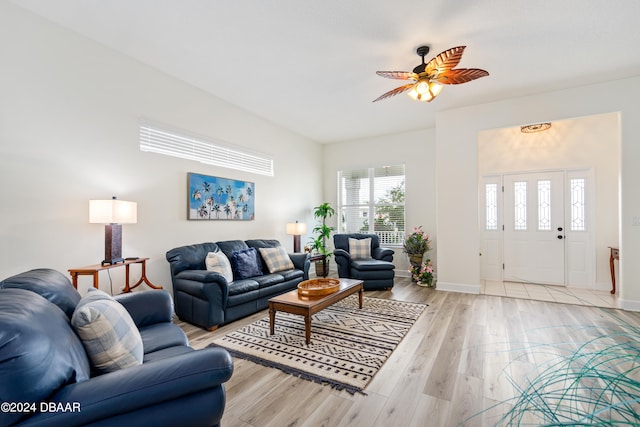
319, 243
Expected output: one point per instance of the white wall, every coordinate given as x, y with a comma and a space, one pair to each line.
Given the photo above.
457, 174
69, 114
417, 151
581, 143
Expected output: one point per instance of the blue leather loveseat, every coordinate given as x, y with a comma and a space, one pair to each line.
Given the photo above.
208, 299
47, 378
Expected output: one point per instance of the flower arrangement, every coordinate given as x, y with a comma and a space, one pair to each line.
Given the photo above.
423, 273
417, 243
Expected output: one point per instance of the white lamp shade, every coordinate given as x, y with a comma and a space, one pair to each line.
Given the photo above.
113, 212
296, 228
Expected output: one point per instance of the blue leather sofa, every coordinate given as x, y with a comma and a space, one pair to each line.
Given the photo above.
206, 299
377, 272
43, 363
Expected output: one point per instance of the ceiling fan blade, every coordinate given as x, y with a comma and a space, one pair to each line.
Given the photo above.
394, 92
461, 75
445, 60
399, 75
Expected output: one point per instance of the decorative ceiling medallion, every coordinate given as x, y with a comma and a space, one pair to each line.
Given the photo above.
537, 127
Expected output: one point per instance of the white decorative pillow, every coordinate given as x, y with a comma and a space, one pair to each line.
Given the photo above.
360, 248
276, 259
218, 262
107, 331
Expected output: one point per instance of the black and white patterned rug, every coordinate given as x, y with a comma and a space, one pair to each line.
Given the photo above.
348, 345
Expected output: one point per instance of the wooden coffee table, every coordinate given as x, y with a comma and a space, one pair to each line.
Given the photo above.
308, 306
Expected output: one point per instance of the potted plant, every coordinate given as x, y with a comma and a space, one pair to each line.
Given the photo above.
319, 243
422, 273
416, 245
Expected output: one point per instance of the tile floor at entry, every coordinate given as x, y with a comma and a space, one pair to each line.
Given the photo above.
561, 294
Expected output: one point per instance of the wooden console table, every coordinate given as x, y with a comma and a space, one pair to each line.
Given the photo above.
615, 254
93, 270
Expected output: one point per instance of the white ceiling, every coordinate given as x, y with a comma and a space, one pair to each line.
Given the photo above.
310, 66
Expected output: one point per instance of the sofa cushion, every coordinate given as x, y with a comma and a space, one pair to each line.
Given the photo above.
39, 352
267, 280
360, 248
50, 284
242, 286
276, 259
218, 262
111, 339
245, 264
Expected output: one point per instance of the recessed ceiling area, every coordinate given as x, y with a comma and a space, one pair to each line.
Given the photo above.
310, 66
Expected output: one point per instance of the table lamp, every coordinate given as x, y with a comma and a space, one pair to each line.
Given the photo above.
296, 229
113, 213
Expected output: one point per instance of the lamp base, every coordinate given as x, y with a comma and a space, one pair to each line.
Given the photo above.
112, 261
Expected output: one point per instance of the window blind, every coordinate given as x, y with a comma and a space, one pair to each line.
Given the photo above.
156, 139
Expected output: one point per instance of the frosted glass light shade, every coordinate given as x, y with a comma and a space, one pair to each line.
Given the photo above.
296, 228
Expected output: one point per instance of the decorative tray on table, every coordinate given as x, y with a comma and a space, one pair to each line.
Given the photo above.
318, 287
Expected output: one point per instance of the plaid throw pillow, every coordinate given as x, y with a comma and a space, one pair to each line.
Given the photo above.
218, 262
360, 248
276, 259
109, 336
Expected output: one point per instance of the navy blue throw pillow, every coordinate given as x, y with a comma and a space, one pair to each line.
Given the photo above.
245, 263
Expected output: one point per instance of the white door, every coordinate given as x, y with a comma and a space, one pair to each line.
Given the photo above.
534, 229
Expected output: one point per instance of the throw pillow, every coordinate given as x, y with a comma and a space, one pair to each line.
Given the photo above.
218, 262
245, 263
109, 336
360, 248
276, 259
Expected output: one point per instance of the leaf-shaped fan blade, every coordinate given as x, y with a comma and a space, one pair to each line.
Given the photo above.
445, 60
394, 92
399, 75
461, 75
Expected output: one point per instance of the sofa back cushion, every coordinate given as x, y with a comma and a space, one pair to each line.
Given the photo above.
39, 351
48, 283
190, 257
230, 246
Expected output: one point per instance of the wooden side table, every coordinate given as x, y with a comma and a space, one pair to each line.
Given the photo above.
615, 254
323, 258
93, 270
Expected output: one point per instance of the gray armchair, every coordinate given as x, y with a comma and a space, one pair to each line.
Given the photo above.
376, 270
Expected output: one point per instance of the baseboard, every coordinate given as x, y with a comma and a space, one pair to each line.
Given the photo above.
629, 305
458, 287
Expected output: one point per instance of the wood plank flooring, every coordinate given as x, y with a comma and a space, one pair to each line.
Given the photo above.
465, 354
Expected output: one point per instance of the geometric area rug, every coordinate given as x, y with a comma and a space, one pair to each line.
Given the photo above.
348, 345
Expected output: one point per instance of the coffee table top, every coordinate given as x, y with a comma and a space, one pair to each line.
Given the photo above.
292, 297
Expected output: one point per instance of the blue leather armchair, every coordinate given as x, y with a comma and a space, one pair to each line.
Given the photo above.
376, 272
43, 362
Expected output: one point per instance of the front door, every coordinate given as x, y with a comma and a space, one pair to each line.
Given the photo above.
534, 229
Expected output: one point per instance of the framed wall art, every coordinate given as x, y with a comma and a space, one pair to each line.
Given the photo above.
215, 198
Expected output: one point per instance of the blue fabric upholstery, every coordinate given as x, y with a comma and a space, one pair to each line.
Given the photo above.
42, 360
207, 299
376, 272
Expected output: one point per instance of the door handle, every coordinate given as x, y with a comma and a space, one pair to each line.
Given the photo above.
560, 236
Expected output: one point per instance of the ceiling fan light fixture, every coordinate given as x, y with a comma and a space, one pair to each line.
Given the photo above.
425, 90
536, 127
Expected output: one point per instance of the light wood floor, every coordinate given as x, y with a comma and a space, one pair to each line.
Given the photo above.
458, 360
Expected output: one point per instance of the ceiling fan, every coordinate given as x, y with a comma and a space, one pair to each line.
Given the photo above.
427, 79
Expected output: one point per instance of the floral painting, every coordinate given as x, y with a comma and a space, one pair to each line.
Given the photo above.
212, 197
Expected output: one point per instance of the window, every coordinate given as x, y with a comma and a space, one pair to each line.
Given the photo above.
578, 205
154, 139
491, 206
372, 201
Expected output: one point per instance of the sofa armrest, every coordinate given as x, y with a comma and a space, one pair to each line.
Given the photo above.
147, 308
343, 260
194, 282
135, 388
301, 262
383, 254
